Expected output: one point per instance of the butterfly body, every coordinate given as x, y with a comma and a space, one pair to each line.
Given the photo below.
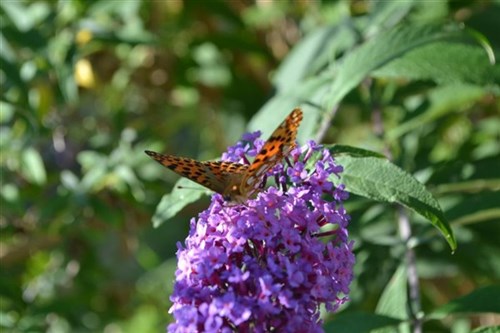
237, 182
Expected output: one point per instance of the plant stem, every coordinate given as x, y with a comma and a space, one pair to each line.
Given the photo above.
325, 124
413, 282
404, 230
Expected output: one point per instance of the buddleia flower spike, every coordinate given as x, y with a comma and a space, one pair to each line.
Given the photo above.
268, 265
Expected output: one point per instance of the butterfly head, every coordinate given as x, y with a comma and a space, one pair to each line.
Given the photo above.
233, 194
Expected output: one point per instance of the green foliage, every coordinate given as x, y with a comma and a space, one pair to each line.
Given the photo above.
380, 180
407, 90
480, 300
184, 193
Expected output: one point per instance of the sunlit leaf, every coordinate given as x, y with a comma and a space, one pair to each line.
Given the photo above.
379, 51
482, 300
33, 166
380, 180
443, 100
445, 62
184, 193
394, 298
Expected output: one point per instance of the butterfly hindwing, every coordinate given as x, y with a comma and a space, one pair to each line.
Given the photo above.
189, 168
213, 175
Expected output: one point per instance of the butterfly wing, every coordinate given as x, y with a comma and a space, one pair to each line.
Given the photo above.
233, 180
279, 145
213, 175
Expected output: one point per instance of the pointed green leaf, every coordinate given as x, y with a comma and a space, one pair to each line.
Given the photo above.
312, 53
490, 329
442, 101
297, 64
277, 108
481, 300
394, 299
184, 193
446, 62
33, 167
381, 180
336, 149
379, 51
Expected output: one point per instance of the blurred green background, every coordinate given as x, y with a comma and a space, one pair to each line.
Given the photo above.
87, 86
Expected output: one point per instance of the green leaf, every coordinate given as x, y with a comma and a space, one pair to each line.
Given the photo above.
386, 14
184, 193
277, 108
296, 65
359, 322
353, 68
394, 298
443, 100
32, 167
379, 51
480, 216
444, 62
25, 17
394, 301
381, 180
313, 52
479, 301
490, 329
67, 84
473, 207
337, 149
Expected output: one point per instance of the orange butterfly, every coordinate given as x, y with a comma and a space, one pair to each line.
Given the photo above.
235, 181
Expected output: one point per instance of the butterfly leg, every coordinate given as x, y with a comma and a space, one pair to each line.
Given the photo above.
280, 180
245, 159
333, 232
282, 177
263, 183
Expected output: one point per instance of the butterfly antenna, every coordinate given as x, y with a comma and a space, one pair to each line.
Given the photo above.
190, 188
264, 181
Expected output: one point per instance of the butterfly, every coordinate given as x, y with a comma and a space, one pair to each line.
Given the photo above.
235, 181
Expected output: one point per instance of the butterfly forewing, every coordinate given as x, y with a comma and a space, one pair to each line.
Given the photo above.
278, 146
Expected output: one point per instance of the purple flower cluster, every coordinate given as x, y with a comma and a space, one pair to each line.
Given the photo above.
266, 266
